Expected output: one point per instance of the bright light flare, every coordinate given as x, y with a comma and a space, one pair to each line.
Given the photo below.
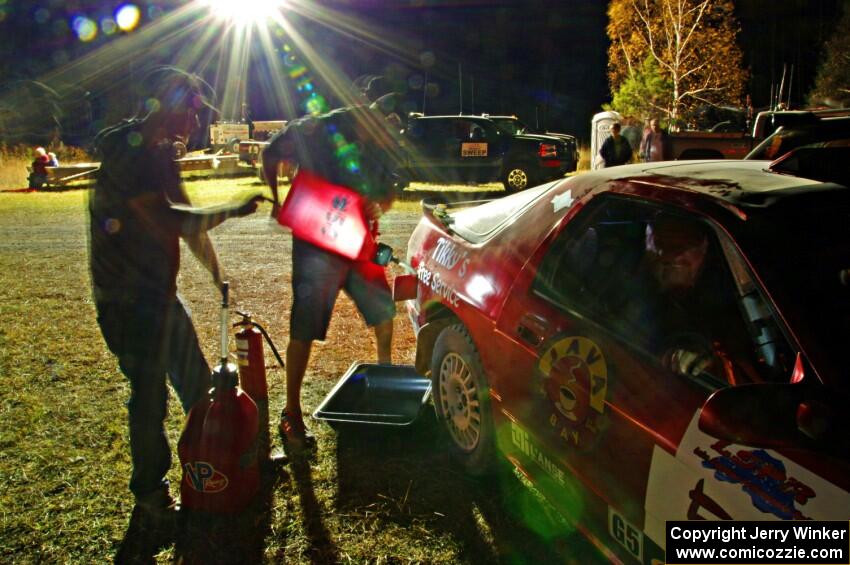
244, 12
127, 17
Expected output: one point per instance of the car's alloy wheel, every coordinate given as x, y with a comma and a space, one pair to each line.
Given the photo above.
517, 177
461, 398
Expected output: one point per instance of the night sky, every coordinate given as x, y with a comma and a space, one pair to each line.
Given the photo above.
543, 61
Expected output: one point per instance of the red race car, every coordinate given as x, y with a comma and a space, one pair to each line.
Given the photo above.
649, 342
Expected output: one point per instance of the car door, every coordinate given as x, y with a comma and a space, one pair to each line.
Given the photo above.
589, 395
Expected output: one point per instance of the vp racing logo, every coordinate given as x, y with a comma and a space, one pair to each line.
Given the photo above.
573, 376
203, 477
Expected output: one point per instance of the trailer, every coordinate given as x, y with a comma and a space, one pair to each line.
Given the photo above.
226, 136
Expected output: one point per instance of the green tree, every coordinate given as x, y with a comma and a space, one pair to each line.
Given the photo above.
832, 82
645, 92
693, 43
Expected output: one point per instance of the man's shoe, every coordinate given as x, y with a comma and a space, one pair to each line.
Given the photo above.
294, 433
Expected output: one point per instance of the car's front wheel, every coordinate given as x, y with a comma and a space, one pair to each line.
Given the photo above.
462, 399
517, 176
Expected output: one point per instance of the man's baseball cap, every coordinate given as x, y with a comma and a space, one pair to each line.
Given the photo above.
669, 235
171, 89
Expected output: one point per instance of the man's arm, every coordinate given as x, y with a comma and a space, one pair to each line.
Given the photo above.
200, 243
161, 215
202, 248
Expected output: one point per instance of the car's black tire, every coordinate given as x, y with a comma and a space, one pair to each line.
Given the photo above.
233, 145
518, 176
462, 400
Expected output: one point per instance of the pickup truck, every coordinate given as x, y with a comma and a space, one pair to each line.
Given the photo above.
737, 145
473, 149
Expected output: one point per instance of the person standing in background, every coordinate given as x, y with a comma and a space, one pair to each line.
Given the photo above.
653, 146
616, 149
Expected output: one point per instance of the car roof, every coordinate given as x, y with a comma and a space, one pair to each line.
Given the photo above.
733, 182
453, 117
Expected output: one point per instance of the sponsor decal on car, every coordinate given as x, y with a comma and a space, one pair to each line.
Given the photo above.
573, 375
522, 440
564, 200
761, 476
707, 479
449, 256
438, 286
473, 149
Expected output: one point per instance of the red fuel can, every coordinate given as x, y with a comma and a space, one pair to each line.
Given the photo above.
328, 215
218, 448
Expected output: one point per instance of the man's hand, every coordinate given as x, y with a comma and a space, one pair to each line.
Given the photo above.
374, 211
689, 363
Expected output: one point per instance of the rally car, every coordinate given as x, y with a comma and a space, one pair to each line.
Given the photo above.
521, 324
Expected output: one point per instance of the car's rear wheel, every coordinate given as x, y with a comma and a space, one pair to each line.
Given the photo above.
517, 176
462, 399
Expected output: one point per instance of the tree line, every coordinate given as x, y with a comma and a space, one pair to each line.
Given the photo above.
680, 60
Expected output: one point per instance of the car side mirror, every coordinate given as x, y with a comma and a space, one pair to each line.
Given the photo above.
777, 415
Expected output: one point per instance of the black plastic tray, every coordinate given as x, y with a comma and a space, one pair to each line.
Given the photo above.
369, 393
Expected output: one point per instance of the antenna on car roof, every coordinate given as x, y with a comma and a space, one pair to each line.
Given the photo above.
460, 86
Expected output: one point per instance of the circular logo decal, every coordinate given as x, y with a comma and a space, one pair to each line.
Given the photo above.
574, 378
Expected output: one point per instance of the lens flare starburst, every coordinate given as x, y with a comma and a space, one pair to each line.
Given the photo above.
244, 12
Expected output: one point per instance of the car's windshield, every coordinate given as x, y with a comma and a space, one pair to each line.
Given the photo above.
801, 249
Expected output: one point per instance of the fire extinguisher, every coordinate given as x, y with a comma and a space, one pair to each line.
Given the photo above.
252, 373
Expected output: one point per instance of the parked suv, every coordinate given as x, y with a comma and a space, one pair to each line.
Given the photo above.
473, 149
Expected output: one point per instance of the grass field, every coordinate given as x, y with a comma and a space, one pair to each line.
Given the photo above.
367, 497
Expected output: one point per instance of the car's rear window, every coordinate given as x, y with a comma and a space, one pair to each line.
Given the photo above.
480, 222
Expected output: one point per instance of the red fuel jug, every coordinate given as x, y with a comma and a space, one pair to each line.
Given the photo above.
329, 216
218, 446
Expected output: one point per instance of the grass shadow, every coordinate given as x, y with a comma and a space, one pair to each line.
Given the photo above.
229, 539
408, 474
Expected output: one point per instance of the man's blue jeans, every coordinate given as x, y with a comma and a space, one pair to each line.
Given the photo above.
153, 338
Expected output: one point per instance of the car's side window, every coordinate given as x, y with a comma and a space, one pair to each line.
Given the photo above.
773, 356
657, 280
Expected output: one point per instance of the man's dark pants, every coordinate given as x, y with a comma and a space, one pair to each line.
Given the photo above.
152, 338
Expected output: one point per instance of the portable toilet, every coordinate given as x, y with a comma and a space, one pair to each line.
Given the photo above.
600, 130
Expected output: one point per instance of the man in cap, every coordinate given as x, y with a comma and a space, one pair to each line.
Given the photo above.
356, 147
673, 306
139, 211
